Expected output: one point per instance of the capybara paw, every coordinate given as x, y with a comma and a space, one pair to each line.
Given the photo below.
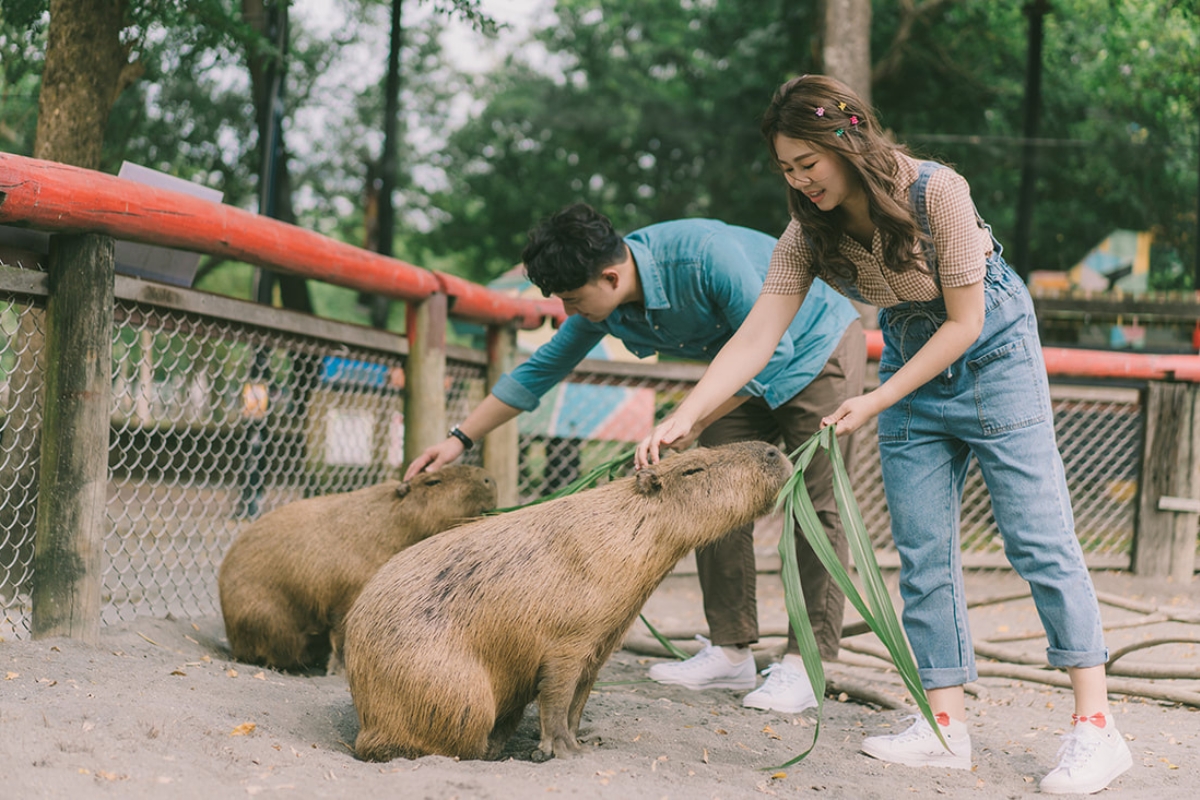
540, 756
567, 747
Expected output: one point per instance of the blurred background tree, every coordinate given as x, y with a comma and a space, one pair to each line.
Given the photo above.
649, 110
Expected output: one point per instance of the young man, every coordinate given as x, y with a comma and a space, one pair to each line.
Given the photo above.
683, 288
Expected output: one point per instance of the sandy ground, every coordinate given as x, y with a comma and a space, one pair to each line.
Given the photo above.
158, 710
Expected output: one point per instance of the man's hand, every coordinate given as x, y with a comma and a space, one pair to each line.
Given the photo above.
434, 458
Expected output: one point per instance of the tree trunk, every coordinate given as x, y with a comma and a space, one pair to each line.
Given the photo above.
87, 67
847, 56
847, 50
269, 18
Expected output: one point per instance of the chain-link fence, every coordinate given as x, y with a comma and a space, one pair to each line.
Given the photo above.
219, 415
214, 422
1099, 434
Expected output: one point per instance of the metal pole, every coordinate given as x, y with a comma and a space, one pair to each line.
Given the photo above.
1036, 10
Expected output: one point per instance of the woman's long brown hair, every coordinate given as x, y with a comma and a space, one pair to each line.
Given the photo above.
847, 129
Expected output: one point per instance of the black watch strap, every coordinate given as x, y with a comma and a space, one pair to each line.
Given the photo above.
467, 441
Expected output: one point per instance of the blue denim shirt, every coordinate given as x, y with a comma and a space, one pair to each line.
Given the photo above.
699, 279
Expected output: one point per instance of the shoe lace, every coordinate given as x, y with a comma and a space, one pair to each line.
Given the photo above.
1076, 750
778, 675
914, 731
702, 657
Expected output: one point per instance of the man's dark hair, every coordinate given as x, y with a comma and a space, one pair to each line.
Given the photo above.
570, 248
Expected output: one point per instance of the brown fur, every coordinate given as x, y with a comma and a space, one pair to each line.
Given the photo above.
452, 638
289, 579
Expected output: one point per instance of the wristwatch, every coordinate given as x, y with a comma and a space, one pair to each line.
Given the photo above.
467, 441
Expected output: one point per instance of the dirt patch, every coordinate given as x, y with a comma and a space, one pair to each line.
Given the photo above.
158, 710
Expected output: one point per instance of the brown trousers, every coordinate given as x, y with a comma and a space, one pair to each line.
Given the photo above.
728, 578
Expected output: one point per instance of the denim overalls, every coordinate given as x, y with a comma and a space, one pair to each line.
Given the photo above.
993, 403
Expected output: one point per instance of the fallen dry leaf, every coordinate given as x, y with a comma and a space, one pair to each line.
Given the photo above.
12, 675
231, 672
245, 729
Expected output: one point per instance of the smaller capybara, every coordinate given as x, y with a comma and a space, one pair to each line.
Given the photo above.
455, 636
288, 580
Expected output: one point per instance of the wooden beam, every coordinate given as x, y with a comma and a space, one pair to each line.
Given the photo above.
502, 447
425, 376
1164, 540
74, 449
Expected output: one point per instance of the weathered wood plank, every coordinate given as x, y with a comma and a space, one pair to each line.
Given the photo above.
425, 376
1164, 541
74, 449
502, 447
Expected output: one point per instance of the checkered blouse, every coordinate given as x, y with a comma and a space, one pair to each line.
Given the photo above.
962, 246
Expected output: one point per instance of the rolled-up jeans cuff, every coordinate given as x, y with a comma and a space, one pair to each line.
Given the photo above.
1076, 658
953, 676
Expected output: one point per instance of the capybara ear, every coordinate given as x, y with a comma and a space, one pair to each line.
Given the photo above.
403, 489
648, 481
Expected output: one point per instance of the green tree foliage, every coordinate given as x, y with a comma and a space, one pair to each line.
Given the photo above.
22, 46
1119, 119
649, 111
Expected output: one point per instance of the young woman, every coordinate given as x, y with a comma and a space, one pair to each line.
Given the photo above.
961, 375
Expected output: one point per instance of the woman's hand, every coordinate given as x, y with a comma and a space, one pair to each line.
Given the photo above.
852, 414
674, 433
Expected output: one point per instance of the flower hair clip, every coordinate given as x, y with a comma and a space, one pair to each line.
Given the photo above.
820, 111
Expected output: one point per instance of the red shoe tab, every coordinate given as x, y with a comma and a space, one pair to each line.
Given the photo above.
1096, 719
943, 719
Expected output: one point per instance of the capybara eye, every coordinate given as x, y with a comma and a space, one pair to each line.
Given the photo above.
693, 471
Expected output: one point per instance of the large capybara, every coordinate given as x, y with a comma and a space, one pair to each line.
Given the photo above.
290, 578
453, 637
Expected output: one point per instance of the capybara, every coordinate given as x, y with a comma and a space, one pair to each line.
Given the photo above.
289, 579
454, 636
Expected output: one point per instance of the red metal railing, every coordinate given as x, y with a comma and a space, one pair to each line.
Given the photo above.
1069, 362
58, 198
54, 197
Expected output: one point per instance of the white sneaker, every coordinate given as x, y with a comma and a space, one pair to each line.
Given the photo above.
919, 745
1090, 758
787, 689
708, 669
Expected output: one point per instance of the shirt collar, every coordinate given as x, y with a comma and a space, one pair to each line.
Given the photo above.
654, 296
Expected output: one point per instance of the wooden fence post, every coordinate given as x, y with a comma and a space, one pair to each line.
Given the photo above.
75, 427
1164, 542
502, 447
425, 375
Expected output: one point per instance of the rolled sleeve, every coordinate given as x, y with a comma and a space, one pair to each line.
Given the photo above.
510, 391
791, 264
549, 365
962, 244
